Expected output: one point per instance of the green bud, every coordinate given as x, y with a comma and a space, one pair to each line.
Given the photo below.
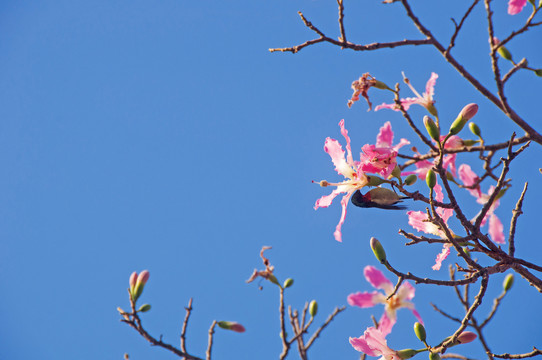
450, 177
501, 193
396, 173
288, 282
374, 180
504, 53
508, 282
407, 353
532, 2
313, 308
432, 110
273, 279
467, 252
378, 250
470, 142
431, 178
434, 356
432, 128
475, 129
144, 308
419, 330
538, 72
411, 179
138, 290
380, 85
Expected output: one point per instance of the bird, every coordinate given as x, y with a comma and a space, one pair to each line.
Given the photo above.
378, 198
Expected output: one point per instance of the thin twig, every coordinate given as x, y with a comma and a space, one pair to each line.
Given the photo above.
324, 325
185, 324
210, 344
515, 215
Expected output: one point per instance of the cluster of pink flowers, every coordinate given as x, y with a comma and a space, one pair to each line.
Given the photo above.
380, 159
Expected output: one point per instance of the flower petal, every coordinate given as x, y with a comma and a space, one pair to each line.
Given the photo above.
430, 86
344, 202
360, 344
496, 229
326, 200
469, 178
387, 106
418, 220
376, 278
515, 6
441, 257
336, 152
344, 132
386, 324
385, 136
363, 300
406, 291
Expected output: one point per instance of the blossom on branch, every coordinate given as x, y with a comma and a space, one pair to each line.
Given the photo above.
495, 228
516, 6
373, 343
381, 158
401, 299
421, 222
425, 100
344, 165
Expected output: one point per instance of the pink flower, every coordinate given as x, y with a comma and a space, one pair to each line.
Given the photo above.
419, 221
381, 158
424, 165
425, 100
495, 229
355, 177
515, 6
469, 178
397, 301
373, 343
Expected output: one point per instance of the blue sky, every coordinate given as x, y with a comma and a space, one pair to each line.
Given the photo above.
166, 137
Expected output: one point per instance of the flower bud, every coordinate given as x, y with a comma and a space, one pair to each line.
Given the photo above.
142, 279
411, 179
419, 330
133, 279
508, 282
465, 115
538, 72
431, 178
475, 129
504, 53
374, 180
288, 282
313, 308
432, 128
378, 250
273, 279
144, 308
434, 356
470, 142
380, 85
466, 251
230, 325
407, 353
397, 173
466, 337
